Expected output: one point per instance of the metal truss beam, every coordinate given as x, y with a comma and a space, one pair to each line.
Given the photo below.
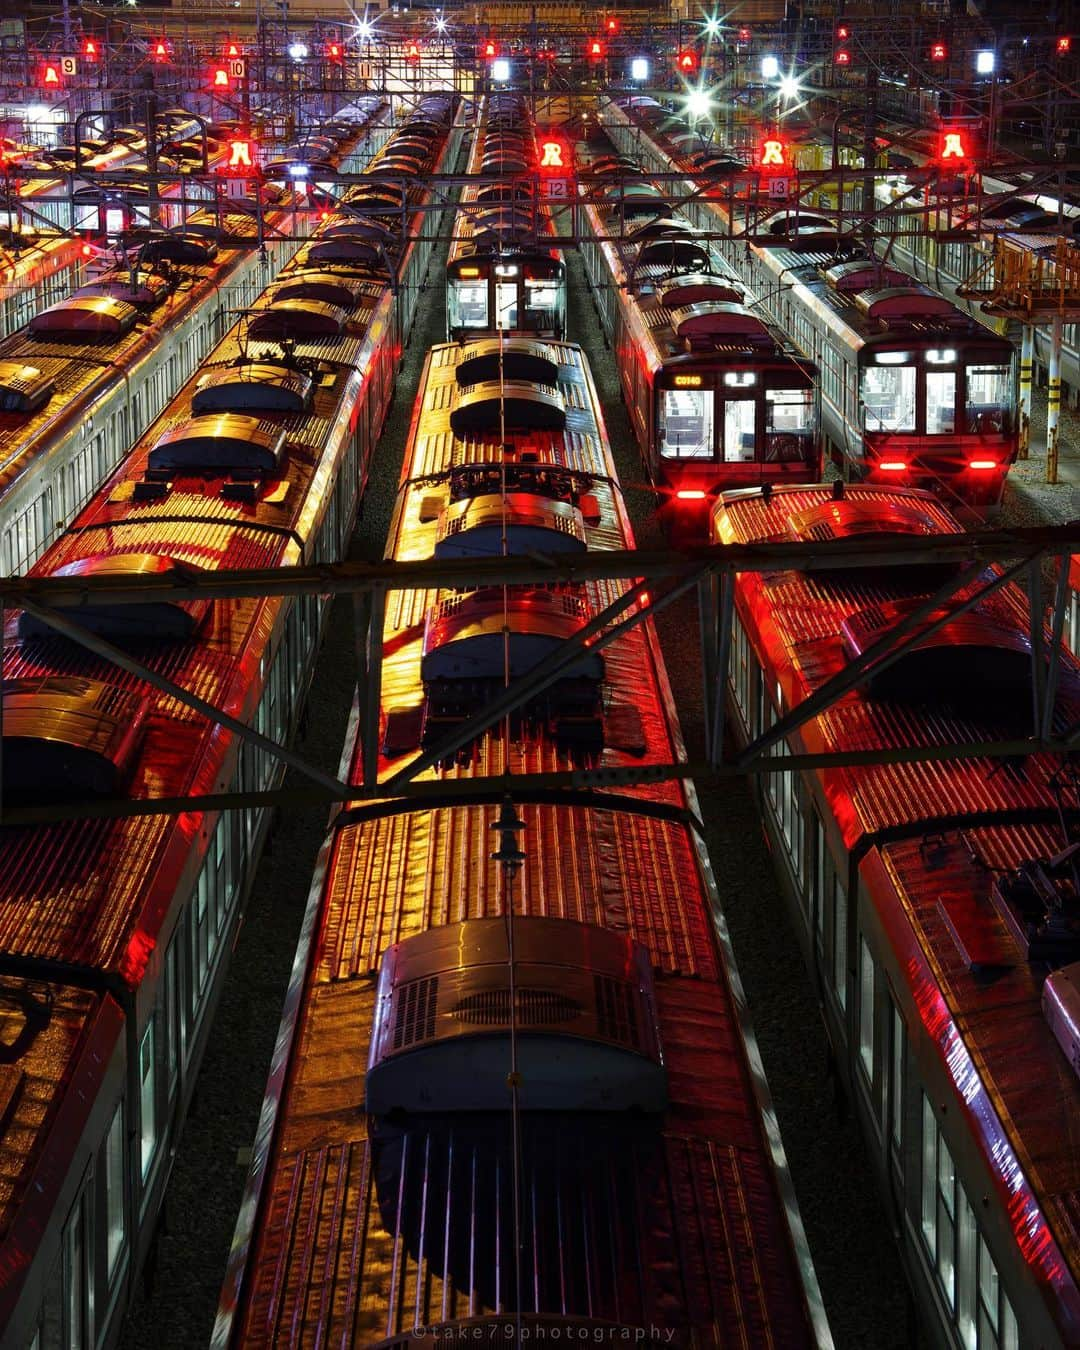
709, 568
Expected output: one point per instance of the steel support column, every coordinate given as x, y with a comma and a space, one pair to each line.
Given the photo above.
1053, 399
1027, 347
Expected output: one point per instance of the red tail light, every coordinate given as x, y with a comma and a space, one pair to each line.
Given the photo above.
893, 466
690, 495
982, 464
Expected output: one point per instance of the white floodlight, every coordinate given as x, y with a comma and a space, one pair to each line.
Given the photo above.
500, 69
984, 62
770, 67
789, 86
639, 68
298, 51
698, 104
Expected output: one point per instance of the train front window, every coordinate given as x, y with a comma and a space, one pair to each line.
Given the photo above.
789, 424
541, 306
940, 402
468, 304
686, 423
888, 398
739, 438
987, 403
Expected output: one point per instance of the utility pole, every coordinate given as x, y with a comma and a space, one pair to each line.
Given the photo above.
869, 151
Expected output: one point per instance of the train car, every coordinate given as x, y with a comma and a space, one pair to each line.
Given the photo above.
501, 274
717, 397
932, 899
913, 391
37, 268
91, 372
115, 932
651, 1181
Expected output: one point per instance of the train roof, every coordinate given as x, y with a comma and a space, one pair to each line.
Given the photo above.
183, 496
936, 835
59, 1041
433, 1194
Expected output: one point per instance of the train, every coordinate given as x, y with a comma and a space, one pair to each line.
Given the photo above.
503, 273
90, 372
398, 1194
935, 898
717, 397
115, 931
913, 390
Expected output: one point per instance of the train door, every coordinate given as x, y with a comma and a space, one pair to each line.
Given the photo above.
740, 430
506, 305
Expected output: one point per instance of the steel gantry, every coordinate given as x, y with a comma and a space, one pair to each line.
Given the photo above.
984, 561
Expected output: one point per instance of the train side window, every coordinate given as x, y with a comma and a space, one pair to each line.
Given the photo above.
839, 896
820, 875
897, 1055
686, 423
147, 1103
115, 1191
939, 1204
867, 983
79, 1289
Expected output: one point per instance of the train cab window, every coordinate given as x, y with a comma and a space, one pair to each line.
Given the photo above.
79, 1290
740, 415
686, 423
468, 304
542, 306
888, 397
789, 424
987, 400
940, 402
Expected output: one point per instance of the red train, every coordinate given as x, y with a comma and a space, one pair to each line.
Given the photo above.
642, 1192
937, 901
114, 932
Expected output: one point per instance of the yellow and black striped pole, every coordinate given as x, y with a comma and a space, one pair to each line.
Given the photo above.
1053, 399
1026, 349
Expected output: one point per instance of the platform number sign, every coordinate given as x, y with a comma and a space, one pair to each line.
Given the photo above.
237, 68
69, 65
555, 166
779, 189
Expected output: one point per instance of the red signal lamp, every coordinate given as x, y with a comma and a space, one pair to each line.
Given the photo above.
596, 50
842, 57
545, 54
554, 155
90, 50
333, 51
161, 50
232, 50
745, 35
1064, 46
688, 61
773, 155
612, 26
242, 154
939, 52
952, 149
843, 32
412, 52
490, 51
219, 77
50, 76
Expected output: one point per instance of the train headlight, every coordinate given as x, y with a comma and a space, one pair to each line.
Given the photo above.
941, 356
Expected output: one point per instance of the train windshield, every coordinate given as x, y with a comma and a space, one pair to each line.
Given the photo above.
467, 303
940, 402
686, 423
988, 399
542, 305
789, 424
888, 396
